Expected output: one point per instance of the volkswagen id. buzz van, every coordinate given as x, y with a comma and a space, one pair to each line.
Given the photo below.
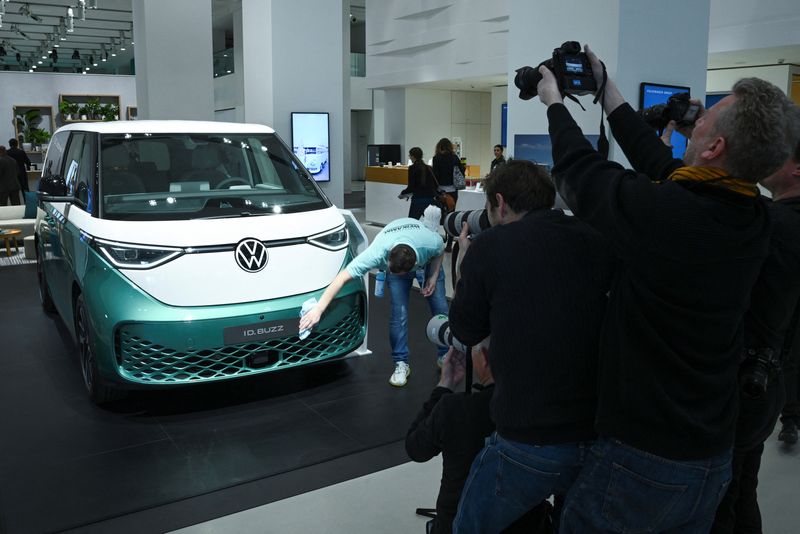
181, 252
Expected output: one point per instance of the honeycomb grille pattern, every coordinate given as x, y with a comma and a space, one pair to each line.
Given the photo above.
148, 362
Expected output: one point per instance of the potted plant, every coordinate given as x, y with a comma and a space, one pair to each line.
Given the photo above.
93, 108
69, 110
110, 112
27, 122
83, 111
40, 138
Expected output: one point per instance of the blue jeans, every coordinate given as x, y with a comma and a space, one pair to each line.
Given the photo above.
509, 478
399, 287
623, 489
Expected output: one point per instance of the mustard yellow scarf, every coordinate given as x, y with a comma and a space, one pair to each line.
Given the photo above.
715, 176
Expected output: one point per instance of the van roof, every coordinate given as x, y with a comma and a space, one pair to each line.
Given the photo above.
147, 126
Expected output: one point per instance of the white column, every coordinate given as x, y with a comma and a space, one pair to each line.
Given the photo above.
638, 41
257, 51
174, 65
296, 57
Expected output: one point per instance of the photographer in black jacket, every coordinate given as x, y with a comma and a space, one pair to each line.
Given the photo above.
456, 425
692, 246
537, 280
768, 336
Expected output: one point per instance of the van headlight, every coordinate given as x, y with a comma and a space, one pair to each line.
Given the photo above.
335, 239
129, 256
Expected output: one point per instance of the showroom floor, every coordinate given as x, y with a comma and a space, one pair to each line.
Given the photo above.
314, 450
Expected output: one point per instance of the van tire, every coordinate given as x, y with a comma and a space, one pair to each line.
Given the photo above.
99, 392
44, 291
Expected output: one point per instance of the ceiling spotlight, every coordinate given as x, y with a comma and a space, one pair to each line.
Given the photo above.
70, 20
76, 54
82, 9
105, 58
25, 11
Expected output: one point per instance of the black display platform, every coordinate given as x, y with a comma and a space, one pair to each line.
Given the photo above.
66, 464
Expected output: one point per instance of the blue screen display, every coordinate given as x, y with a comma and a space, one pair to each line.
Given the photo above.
652, 94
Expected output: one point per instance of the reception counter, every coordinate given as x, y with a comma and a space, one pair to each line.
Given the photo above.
383, 184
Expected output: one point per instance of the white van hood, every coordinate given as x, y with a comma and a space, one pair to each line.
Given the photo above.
213, 277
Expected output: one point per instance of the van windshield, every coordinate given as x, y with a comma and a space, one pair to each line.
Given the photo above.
193, 176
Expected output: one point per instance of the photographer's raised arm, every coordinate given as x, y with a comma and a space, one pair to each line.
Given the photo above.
640, 143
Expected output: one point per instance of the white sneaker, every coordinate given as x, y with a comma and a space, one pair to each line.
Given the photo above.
400, 375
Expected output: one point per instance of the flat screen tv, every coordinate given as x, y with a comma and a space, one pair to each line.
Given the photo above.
651, 94
311, 141
383, 154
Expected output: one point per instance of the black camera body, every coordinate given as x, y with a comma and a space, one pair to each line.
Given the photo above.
678, 108
756, 369
571, 68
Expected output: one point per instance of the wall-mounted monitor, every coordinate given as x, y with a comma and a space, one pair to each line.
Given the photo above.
713, 98
311, 141
651, 94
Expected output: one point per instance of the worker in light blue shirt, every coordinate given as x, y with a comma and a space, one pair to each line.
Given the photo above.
401, 248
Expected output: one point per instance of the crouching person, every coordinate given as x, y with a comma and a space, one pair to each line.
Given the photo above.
456, 425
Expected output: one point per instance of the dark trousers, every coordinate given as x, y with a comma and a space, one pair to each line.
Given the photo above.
738, 513
791, 373
453, 194
6, 196
418, 205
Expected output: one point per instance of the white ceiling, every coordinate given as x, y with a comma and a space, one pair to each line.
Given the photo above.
23, 34
108, 26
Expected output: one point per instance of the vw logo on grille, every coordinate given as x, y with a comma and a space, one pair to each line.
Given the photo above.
251, 255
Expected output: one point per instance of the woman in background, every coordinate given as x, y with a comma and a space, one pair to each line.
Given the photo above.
444, 162
421, 184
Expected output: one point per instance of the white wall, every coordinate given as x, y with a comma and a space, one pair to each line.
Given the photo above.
745, 24
428, 119
416, 41
723, 79
360, 96
24, 88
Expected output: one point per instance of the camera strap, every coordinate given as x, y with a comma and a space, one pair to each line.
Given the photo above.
602, 142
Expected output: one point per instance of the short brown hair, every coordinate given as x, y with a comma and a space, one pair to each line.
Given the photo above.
524, 185
402, 259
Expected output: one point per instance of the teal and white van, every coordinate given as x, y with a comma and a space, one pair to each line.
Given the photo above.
180, 252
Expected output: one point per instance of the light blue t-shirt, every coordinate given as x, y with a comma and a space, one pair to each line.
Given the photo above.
426, 243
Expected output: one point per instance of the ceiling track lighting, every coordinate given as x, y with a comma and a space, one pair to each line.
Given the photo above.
70, 20
3, 7
25, 11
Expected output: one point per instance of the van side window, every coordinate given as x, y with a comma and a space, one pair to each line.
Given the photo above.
73, 163
52, 165
87, 169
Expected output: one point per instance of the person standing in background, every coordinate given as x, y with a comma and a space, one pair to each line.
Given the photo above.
9, 184
498, 157
421, 184
23, 163
444, 161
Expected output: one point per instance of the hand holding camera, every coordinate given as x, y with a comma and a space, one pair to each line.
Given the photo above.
453, 369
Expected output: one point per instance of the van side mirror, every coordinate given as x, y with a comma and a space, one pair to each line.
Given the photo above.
53, 185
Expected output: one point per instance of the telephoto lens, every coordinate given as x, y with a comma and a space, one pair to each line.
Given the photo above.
438, 331
477, 221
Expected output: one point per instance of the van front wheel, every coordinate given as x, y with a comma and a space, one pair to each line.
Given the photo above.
99, 392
